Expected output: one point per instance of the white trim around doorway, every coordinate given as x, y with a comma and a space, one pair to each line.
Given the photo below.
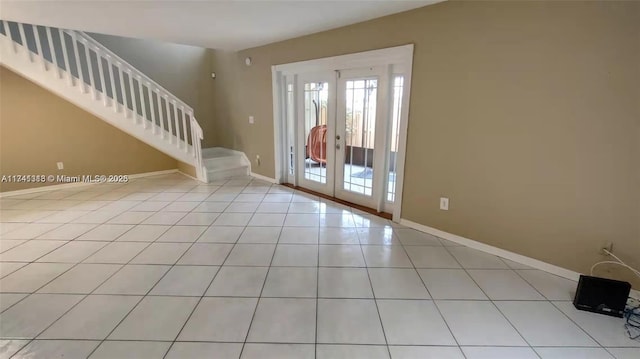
399, 55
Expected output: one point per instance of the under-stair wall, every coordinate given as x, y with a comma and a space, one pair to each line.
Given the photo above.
39, 129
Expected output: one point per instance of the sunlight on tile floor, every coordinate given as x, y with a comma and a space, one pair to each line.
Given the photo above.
169, 267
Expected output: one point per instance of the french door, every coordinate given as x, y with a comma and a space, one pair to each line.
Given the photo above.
316, 118
362, 98
343, 120
340, 125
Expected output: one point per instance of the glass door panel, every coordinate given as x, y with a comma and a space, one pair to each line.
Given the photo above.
394, 140
360, 117
316, 98
316, 131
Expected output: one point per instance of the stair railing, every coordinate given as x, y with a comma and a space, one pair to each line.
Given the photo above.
87, 64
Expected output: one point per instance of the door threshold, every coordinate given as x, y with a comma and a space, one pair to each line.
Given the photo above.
384, 215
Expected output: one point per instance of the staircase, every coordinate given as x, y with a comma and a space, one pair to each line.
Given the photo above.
74, 66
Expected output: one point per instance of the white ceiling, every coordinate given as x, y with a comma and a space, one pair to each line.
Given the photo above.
218, 24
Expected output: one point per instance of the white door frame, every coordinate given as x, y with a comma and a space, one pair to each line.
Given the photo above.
399, 55
381, 119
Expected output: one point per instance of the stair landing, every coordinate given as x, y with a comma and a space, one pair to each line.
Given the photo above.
222, 163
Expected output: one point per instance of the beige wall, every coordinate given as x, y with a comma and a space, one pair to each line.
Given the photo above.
38, 129
183, 70
525, 114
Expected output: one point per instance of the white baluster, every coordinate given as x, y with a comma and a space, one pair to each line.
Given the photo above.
77, 57
23, 40
184, 129
143, 109
133, 97
176, 123
194, 138
125, 102
166, 102
36, 36
193, 147
114, 96
10, 36
92, 84
101, 73
161, 117
54, 56
151, 108
65, 56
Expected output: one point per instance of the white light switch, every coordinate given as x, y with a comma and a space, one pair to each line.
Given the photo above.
444, 203
60, 165
251, 120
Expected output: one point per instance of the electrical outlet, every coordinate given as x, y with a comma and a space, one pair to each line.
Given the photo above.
251, 120
60, 165
444, 203
258, 159
608, 245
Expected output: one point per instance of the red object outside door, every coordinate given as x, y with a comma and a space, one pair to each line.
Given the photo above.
317, 144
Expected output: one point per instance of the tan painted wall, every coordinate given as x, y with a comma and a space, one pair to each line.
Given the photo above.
187, 169
183, 70
38, 129
525, 114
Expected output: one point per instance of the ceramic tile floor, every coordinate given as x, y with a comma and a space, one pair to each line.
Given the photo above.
166, 267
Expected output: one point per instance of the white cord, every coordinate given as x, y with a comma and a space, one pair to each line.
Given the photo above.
618, 262
637, 272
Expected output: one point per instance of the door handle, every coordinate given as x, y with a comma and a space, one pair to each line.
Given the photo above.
337, 137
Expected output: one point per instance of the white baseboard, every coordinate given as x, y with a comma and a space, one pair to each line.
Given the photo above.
263, 178
56, 187
188, 175
155, 173
518, 258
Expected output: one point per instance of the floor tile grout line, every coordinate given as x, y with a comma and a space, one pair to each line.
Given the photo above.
6, 274
255, 310
330, 343
490, 300
375, 301
290, 266
108, 221
576, 324
315, 346
278, 296
432, 299
99, 208
54, 278
264, 283
210, 283
558, 309
142, 298
76, 304
281, 227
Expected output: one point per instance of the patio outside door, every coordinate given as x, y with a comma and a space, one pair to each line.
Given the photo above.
342, 134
